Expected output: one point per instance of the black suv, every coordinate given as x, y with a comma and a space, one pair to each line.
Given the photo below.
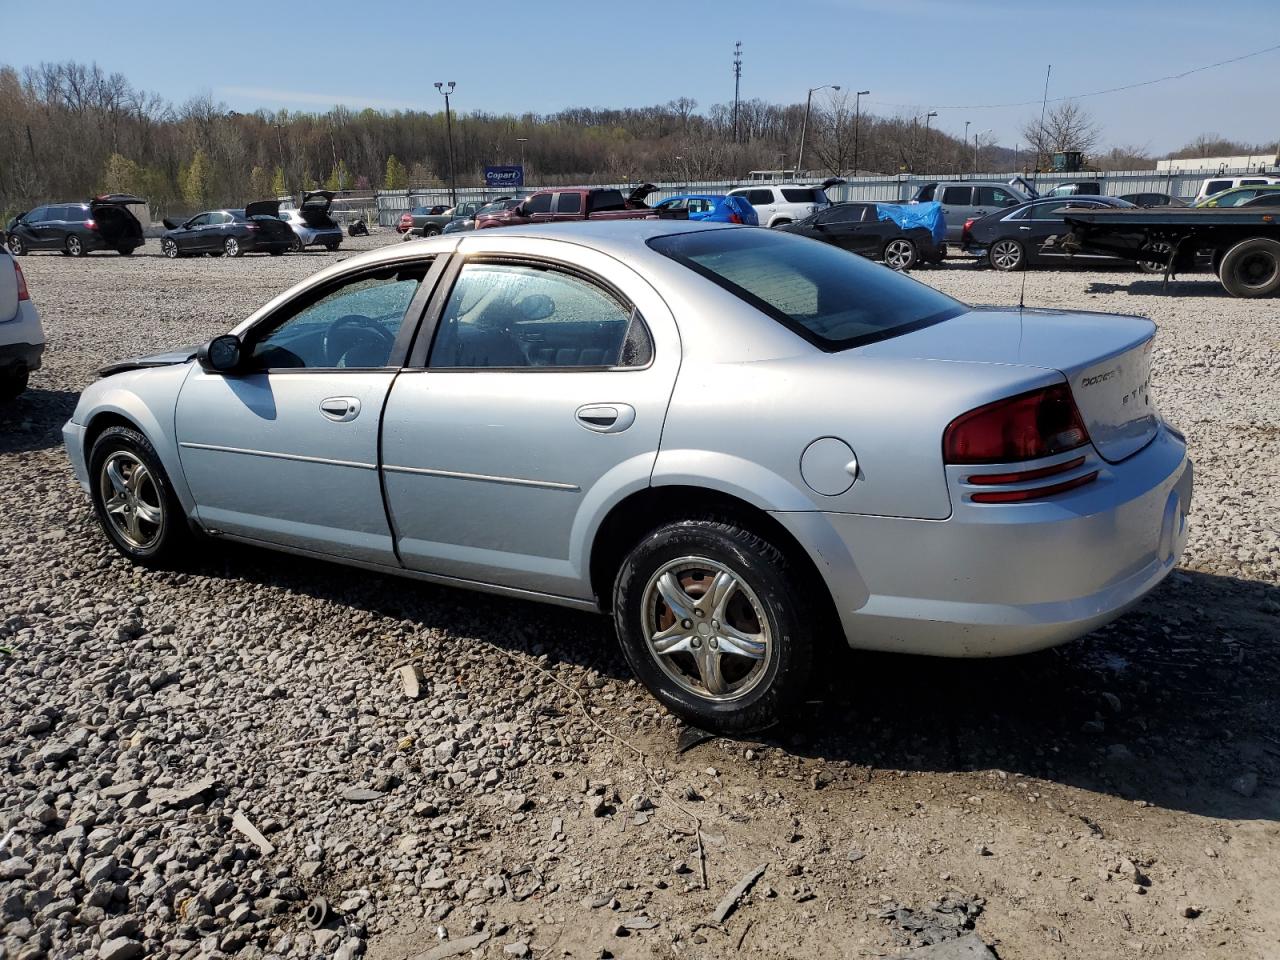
74, 229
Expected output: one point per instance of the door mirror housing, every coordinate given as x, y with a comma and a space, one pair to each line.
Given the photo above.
221, 354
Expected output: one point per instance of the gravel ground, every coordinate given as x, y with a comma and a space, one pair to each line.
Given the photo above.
189, 759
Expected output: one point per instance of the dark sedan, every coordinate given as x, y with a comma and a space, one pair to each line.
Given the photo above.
255, 229
1029, 234
859, 228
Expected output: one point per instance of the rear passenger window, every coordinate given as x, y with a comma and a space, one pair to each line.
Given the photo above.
760, 198
569, 203
508, 315
958, 196
996, 197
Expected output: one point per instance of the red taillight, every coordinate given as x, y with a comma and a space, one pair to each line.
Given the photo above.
734, 218
23, 294
1032, 425
90, 225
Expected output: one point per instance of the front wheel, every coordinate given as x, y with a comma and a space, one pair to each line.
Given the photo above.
900, 254
1007, 255
134, 499
709, 614
1251, 268
231, 246
17, 246
169, 247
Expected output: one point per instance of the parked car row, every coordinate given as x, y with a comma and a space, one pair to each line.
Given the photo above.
107, 223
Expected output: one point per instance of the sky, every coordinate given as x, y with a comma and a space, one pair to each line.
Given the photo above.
952, 56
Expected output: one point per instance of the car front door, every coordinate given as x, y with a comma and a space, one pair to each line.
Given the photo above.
32, 228
957, 207
285, 450
540, 405
195, 236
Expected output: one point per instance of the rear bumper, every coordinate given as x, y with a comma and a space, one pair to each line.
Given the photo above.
21, 355
993, 580
22, 339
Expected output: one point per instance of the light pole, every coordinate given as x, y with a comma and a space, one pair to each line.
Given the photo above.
976, 138
857, 118
522, 141
966, 135
448, 125
927, 117
804, 126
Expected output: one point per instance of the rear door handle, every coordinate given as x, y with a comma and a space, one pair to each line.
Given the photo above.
606, 417
340, 409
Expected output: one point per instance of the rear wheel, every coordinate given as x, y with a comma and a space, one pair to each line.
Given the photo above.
778, 223
17, 246
231, 247
1161, 251
295, 245
431, 231
13, 381
169, 247
1007, 255
1251, 268
134, 500
125, 251
75, 246
716, 622
331, 247
900, 254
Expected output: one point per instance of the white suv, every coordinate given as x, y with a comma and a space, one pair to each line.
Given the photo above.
21, 336
783, 203
1217, 184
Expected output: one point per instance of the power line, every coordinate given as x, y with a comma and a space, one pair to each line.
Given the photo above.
1094, 93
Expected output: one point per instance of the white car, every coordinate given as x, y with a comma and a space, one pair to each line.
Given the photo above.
21, 336
776, 204
1217, 184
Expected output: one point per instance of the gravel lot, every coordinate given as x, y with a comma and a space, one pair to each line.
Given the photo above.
1114, 798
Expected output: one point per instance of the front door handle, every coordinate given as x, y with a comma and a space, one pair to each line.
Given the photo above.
606, 417
340, 409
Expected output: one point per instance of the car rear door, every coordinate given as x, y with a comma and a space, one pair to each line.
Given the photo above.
285, 450
957, 207
540, 405
568, 206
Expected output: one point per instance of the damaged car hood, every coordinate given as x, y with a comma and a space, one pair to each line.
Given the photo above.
155, 360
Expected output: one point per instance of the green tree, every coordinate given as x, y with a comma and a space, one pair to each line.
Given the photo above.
278, 186
339, 177
121, 175
397, 177
259, 183
196, 180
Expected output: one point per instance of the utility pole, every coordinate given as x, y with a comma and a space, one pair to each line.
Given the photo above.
927, 117
966, 143
857, 122
737, 81
448, 125
804, 126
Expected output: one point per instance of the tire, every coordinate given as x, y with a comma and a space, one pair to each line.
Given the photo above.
156, 537
767, 593
169, 247
125, 251
778, 223
75, 246
431, 231
1251, 268
1155, 266
1007, 256
332, 247
13, 382
900, 254
17, 246
231, 247
295, 245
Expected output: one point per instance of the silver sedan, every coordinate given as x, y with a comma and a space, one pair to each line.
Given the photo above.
737, 442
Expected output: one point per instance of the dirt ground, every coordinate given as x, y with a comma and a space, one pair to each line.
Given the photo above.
1117, 797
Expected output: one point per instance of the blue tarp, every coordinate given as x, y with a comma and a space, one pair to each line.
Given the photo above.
927, 215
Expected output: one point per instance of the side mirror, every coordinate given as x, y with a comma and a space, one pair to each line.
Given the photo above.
522, 211
221, 354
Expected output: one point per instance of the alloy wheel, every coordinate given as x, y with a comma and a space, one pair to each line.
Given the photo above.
74, 246
169, 248
232, 247
899, 254
132, 500
16, 246
1006, 255
706, 628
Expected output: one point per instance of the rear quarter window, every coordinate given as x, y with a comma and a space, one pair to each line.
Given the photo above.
803, 195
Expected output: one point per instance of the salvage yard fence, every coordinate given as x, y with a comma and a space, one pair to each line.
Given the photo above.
391, 204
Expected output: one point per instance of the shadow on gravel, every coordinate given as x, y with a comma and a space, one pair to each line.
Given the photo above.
1176, 704
34, 420
1199, 287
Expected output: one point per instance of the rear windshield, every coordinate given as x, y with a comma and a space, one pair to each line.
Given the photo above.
804, 195
833, 298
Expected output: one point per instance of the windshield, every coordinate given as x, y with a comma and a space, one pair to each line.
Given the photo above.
833, 298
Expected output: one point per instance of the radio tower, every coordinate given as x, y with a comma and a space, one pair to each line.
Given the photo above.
737, 79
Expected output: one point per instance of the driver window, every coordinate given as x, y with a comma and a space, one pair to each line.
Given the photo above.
200, 221
512, 315
352, 326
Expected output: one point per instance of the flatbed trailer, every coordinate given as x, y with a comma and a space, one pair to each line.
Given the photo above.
1241, 243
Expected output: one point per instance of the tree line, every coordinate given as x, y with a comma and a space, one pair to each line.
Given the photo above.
70, 130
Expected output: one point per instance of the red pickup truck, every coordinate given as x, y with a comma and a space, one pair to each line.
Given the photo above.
578, 203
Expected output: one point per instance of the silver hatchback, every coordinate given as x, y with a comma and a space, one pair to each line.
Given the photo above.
735, 441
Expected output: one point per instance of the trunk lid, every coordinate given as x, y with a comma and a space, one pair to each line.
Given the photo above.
262, 208
315, 209
1105, 358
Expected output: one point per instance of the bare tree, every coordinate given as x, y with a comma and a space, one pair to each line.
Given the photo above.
1066, 126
